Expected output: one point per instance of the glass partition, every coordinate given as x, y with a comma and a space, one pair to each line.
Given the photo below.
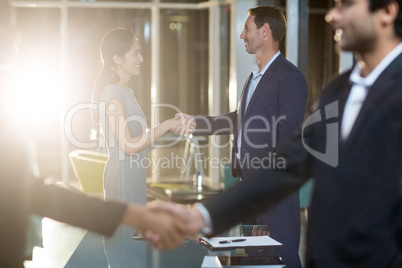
184, 60
183, 74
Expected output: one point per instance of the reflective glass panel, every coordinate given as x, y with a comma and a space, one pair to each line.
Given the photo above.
184, 60
183, 69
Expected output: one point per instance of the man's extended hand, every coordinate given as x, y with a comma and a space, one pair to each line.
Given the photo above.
188, 126
165, 229
192, 217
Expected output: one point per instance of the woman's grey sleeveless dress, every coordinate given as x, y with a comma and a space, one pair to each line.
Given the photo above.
124, 177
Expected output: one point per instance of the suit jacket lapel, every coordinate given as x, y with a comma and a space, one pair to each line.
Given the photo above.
265, 79
240, 110
243, 96
342, 98
384, 84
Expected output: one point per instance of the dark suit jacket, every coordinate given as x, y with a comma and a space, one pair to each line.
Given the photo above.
356, 209
21, 194
274, 112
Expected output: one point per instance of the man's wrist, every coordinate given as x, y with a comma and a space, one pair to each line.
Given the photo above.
207, 223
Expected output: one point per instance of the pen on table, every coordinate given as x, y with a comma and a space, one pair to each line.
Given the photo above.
231, 241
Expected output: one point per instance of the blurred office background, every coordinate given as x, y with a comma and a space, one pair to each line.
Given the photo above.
193, 60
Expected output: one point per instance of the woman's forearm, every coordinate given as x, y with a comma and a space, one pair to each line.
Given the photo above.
136, 144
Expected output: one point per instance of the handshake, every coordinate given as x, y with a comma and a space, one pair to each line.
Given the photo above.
164, 225
182, 124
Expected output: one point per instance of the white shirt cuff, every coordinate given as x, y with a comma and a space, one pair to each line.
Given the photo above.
207, 218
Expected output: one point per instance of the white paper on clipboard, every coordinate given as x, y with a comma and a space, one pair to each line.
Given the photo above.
250, 241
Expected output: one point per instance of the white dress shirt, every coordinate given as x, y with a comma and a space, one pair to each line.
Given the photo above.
360, 88
251, 88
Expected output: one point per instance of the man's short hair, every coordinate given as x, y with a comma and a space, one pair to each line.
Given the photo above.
377, 4
273, 16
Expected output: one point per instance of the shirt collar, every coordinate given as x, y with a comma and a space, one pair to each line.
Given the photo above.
256, 67
369, 80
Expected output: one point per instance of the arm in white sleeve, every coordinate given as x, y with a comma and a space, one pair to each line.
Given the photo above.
207, 218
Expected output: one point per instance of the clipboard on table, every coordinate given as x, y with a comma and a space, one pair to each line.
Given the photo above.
233, 242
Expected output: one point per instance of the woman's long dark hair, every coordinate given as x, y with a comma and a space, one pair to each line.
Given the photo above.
115, 42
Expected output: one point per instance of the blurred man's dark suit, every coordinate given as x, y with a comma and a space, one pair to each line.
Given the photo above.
356, 210
21, 195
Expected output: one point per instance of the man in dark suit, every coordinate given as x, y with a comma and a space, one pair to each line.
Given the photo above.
272, 106
352, 146
22, 194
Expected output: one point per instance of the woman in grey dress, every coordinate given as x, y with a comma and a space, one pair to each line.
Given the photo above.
124, 128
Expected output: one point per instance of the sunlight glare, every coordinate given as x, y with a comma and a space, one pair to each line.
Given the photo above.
34, 98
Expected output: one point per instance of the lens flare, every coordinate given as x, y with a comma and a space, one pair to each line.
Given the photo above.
34, 97
338, 35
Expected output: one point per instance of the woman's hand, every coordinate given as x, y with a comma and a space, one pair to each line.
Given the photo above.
186, 128
164, 228
176, 122
181, 125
